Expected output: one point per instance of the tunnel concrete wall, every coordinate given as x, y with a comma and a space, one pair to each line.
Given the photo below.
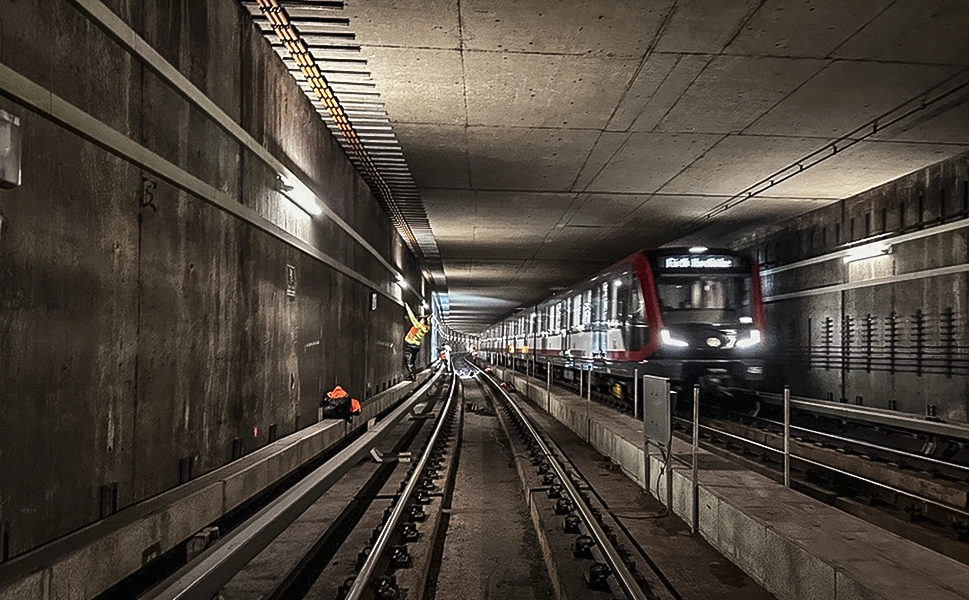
891, 329
147, 331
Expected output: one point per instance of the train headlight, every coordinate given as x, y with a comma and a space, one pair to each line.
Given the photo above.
668, 340
752, 340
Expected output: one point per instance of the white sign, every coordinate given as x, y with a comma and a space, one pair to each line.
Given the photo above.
698, 262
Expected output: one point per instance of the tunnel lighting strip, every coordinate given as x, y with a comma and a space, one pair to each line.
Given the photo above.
104, 18
894, 241
619, 569
901, 112
843, 287
205, 576
300, 53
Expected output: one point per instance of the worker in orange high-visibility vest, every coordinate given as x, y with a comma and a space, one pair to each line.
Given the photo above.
337, 404
412, 341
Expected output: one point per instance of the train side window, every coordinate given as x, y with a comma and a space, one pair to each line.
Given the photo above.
587, 308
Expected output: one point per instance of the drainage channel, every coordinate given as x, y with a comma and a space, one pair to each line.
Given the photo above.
587, 554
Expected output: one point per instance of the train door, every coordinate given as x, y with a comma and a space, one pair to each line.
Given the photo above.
600, 309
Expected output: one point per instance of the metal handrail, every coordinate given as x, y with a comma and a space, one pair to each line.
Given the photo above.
205, 576
890, 488
619, 569
872, 415
390, 526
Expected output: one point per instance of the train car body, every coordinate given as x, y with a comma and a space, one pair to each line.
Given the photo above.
689, 314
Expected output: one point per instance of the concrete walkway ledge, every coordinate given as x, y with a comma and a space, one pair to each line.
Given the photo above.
87, 562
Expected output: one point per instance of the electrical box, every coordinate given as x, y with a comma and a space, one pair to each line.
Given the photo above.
9, 150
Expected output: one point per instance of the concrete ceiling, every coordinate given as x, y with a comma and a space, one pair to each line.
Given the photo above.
550, 138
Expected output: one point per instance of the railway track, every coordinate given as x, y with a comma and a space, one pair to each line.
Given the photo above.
373, 521
905, 473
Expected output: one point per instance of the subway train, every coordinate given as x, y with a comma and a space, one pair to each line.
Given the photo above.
693, 315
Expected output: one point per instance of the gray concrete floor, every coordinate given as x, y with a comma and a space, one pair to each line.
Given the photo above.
491, 550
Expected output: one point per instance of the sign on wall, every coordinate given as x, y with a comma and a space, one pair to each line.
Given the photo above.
291, 281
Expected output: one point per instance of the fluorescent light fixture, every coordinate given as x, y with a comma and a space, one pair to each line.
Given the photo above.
746, 320
867, 251
698, 249
617, 282
668, 340
298, 194
752, 340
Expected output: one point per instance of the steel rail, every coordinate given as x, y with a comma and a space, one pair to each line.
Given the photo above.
619, 569
205, 576
390, 526
847, 440
870, 446
871, 415
894, 490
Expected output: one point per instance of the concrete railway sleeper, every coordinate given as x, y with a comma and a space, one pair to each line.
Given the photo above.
600, 564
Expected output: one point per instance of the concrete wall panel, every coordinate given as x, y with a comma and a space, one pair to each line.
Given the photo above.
68, 281
190, 365
144, 330
200, 39
914, 356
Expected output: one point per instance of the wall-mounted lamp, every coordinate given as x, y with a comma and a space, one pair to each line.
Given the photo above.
867, 251
298, 194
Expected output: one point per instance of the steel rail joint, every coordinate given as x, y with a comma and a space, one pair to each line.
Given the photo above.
205, 576
619, 569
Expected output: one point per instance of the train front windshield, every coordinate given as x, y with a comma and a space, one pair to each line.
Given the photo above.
719, 299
